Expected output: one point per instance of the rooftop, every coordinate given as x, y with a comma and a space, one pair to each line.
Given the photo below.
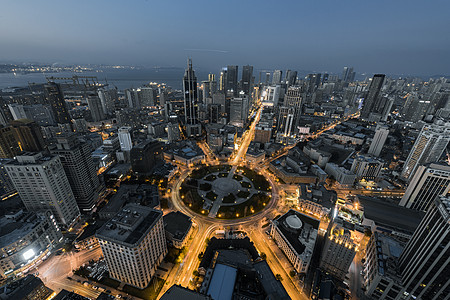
130, 225
177, 224
222, 282
271, 285
177, 292
13, 229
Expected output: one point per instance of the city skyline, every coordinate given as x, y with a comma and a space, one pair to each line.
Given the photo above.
405, 39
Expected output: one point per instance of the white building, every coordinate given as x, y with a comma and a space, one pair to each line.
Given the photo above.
427, 183
25, 239
295, 234
338, 251
429, 146
125, 138
271, 95
43, 185
343, 176
366, 167
381, 134
133, 243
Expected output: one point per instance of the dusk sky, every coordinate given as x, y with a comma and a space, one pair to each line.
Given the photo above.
393, 37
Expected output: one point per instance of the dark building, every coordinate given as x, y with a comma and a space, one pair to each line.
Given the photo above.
75, 155
66, 295
190, 89
372, 102
29, 136
247, 82
144, 156
213, 113
313, 81
54, 95
291, 77
29, 288
8, 143
348, 75
232, 81
425, 261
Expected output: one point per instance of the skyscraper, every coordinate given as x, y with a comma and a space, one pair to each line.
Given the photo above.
134, 244
373, 96
8, 143
425, 261
348, 75
193, 127
95, 107
247, 80
291, 78
239, 107
125, 138
338, 251
428, 147
54, 95
276, 77
232, 80
377, 144
75, 156
428, 182
42, 185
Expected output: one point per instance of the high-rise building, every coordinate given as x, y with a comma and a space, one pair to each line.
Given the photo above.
144, 156
132, 97
277, 76
133, 244
28, 135
193, 127
348, 75
147, 96
366, 167
55, 97
42, 185
428, 147
338, 251
425, 261
223, 80
377, 144
6, 186
291, 78
247, 80
232, 80
173, 130
107, 99
17, 111
95, 107
372, 101
39, 113
239, 108
313, 82
214, 113
428, 182
285, 121
8, 143
80, 170
125, 138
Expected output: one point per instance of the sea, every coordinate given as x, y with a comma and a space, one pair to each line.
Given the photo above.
120, 78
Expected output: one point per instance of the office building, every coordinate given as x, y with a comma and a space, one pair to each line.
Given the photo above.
8, 143
313, 82
338, 251
132, 98
6, 186
17, 111
144, 156
95, 107
428, 147
133, 244
372, 100
276, 77
27, 288
147, 96
107, 100
291, 78
28, 135
285, 121
193, 127
55, 97
247, 80
425, 261
25, 239
39, 113
377, 144
232, 81
75, 155
348, 75
295, 234
42, 185
366, 167
239, 108
178, 227
173, 130
428, 182
223, 80
271, 96
125, 138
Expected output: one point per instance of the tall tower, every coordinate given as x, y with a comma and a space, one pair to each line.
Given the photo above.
95, 106
276, 77
338, 251
247, 76
193, 127
427, 183
425, 262
373, 96
381, 134
125, 138
55, 98
79, 167
429, 146
43, 185
232, 80
291, 78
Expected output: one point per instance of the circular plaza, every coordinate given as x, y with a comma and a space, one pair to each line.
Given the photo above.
225, 192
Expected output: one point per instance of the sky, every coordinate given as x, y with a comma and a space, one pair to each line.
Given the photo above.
392, 37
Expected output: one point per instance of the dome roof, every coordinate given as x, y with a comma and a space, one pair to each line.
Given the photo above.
294, 222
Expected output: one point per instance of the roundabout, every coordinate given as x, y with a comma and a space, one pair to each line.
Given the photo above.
225, 192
